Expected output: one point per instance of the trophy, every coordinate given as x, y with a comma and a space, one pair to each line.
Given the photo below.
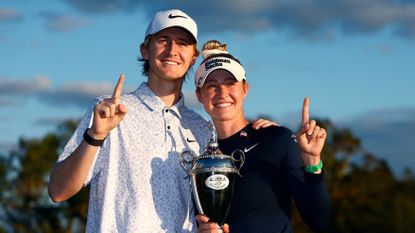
212, 178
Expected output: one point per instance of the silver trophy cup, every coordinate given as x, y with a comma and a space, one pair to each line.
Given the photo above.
212, 177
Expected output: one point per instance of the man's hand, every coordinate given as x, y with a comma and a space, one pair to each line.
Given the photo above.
108, 113
262, 123
209, 227
311, 138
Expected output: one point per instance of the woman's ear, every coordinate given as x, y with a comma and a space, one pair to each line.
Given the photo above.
246, 89
198, 95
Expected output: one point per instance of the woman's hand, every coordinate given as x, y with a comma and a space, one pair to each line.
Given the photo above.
209, 227
311, 138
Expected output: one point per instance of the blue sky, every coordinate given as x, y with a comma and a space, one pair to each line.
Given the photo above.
354, 59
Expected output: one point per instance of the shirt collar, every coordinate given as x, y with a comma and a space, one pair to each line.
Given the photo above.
154, 103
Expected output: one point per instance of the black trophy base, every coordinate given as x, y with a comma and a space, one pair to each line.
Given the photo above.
215, 203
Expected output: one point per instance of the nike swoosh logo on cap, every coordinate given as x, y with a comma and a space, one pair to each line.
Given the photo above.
250, 148
171, 16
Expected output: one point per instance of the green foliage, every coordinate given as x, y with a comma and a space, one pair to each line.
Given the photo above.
24, 200
364, 194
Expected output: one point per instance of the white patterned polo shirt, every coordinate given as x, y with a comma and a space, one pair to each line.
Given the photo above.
137, 182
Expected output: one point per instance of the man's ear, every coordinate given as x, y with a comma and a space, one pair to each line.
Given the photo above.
195, 54
193, 60
144, 51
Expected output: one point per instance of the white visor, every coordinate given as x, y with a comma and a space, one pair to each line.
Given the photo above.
215, 63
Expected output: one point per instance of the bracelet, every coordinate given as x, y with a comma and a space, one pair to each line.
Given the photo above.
314, 168
91, 141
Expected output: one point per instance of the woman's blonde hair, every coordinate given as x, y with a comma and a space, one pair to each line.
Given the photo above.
214, 48
214, 44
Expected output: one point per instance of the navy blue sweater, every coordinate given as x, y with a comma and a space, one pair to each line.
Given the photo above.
272, 176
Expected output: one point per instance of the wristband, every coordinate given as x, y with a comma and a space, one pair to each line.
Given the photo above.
91, 141
312, 169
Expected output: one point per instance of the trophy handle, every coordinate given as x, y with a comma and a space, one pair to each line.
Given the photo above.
187, 157
240, 160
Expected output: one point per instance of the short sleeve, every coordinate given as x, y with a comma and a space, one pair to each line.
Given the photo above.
77, 138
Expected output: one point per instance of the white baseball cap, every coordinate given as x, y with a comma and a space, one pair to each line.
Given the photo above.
216, 63
171, 18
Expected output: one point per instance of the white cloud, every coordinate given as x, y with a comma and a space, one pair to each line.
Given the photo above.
62, 23
312, 17
388, 133
78, 94
24, 87
9, 14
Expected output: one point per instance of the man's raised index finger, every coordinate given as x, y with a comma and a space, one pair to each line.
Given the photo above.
118, 88
305, 110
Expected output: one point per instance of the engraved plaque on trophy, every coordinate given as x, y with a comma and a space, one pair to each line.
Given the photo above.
212, 177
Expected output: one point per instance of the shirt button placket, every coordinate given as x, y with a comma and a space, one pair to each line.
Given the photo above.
167, 111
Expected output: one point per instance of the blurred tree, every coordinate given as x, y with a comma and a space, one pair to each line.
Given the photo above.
364, 194
24, 200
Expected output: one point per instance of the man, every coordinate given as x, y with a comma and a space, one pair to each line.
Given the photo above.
131, 160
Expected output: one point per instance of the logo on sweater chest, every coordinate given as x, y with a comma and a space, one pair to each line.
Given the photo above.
246, 150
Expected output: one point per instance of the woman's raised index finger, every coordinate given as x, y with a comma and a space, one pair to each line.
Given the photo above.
305, 110
118, 88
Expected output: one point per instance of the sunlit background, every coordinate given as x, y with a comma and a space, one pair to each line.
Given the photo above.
354, 59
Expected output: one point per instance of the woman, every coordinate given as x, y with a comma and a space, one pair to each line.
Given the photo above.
279, 166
